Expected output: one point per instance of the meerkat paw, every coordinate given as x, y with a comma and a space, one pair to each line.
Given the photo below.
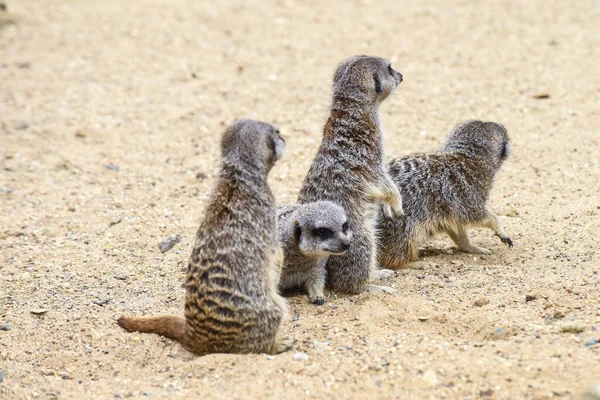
387, 212
398, 211
379, 289
506, 240
283, 345
317, 300
380, 274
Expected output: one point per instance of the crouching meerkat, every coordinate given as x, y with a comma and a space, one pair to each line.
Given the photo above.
445, 191
348, 168
309, 234
232, 304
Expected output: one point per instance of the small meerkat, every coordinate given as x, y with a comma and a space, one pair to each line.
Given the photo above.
232, 304
309, 234
348, 168
445, 191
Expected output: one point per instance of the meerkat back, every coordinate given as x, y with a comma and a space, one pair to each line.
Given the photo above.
232, 304
445, 191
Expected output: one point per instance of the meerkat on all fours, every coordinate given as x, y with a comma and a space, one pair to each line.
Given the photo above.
445, 191
349, 171
232, 304
309, 234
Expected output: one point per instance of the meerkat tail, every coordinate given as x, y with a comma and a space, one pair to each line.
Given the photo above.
169, 326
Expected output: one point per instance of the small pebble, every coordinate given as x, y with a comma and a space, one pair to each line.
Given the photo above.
39, 311
481, 302
300, 357
5, 327
112, 167
167, 243
1, 376
321, 346
101, 302
530, 297
420, 276
592, 342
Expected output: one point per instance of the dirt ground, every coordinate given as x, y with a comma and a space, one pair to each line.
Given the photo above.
110, 114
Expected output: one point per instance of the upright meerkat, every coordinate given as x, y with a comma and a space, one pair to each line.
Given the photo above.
348, 168
445, 191
309, 234
232, 304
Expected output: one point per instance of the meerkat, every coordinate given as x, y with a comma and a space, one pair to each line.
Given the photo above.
348, 168
232, 303
445, 191
309, 234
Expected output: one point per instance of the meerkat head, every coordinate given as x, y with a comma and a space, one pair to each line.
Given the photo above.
478, 137
253, 143
321, 228
365, 78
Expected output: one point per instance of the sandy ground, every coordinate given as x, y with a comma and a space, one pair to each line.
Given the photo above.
110, 114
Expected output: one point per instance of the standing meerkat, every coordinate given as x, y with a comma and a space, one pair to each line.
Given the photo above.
309, 234
446, 191
232, 304
348, 168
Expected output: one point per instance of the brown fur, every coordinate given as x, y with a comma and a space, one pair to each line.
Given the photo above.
348, 169
232, 304
445, 191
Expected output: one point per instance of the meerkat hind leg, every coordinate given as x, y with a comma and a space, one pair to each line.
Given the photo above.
491, 222
461, 238
379, 289
282, 344
380, 273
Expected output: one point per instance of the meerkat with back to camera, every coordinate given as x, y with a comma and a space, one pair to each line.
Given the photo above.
348, 169
445, 191
232, 304
309, 234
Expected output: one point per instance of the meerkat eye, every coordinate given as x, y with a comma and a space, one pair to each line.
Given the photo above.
323, 233
345, 226
377, 83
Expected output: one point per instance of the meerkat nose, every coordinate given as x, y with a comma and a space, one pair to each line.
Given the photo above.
399, 77
345, 246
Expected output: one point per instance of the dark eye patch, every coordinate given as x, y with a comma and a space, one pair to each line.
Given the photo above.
271, 143
297, 232
323, 233
377, 83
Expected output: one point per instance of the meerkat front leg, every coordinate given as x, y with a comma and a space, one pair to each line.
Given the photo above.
491, 222
393, 199
315, 284
388, 194
460, 236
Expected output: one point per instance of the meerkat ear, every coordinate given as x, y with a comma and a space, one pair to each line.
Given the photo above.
377, 83
297, 231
